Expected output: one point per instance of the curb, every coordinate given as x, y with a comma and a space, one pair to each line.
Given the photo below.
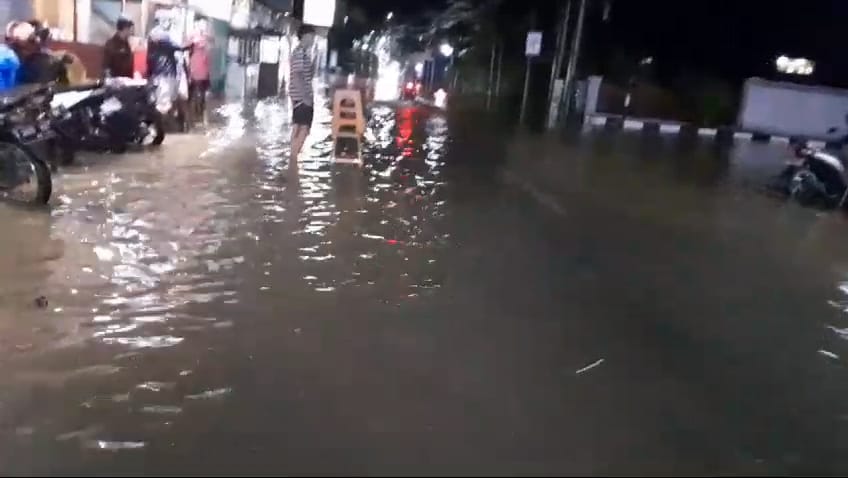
690, 131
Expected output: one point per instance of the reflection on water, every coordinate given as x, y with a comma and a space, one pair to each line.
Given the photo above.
146, 260
211, 306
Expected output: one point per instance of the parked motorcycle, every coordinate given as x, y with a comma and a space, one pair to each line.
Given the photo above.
108, 116
24, 127
815, 178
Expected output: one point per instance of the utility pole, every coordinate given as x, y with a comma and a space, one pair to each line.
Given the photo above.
523, 111
573, 57
491, 78
562, 36
500, 67
556, 66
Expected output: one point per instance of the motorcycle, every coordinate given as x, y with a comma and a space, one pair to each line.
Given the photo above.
108, 116
24, 127
410, 91
815, 178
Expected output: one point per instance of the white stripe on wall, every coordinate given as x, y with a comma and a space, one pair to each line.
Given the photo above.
633, 124
669, 128
598, 120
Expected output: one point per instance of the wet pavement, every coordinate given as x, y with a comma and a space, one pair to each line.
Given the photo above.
485, 304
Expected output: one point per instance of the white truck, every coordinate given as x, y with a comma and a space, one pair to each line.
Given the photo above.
789, 109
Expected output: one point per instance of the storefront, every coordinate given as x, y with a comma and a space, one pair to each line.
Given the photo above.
85, 21
273, 53
242, 53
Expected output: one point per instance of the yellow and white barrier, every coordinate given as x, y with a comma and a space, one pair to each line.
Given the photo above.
348, 126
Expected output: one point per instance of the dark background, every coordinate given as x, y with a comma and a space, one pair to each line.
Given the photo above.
731, 40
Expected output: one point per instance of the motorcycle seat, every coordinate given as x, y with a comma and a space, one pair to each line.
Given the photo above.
89, 85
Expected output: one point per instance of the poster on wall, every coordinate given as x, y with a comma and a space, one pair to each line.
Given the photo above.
319, 13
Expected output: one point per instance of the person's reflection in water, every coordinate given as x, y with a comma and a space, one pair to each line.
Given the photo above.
294, 205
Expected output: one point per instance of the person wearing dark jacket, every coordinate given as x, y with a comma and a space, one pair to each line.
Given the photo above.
117, 54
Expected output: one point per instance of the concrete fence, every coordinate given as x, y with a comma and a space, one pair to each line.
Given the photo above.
595, 119
689, 131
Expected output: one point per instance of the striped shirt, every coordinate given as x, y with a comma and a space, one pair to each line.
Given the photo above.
300, 76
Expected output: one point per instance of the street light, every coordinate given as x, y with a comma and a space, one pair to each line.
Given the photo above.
389, 16
446, 49
794, 66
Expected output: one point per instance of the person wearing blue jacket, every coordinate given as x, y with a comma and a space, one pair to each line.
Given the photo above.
9, 66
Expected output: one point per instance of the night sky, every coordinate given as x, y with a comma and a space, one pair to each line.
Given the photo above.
732, 40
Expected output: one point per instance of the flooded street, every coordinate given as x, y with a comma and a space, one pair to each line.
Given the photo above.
614, 305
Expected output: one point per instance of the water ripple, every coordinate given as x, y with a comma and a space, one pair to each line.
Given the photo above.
153, 260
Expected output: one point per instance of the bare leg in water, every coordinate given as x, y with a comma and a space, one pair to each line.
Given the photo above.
299, 134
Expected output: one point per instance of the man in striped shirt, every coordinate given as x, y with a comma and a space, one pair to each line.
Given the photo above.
300, 89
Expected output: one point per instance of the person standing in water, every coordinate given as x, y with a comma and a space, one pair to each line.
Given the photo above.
163, 67
300, 89
199, 72
117, 53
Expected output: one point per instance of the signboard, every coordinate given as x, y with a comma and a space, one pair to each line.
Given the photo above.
533, 47
319, 13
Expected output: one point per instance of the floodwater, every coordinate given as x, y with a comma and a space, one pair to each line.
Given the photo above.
486, 304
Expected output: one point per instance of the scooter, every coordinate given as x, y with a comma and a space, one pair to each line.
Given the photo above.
815, 177
108, 115
24, 127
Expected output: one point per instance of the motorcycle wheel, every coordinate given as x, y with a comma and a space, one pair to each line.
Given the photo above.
63, 154
156, 130
118, 147
67, 156
18, 165
806, 189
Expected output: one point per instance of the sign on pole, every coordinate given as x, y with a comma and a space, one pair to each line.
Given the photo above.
533, 47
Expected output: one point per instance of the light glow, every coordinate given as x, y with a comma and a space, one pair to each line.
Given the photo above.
388, 81
794, 66
440, 98
445, 49
319, 12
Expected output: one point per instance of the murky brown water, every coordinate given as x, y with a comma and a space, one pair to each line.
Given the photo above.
212, 310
